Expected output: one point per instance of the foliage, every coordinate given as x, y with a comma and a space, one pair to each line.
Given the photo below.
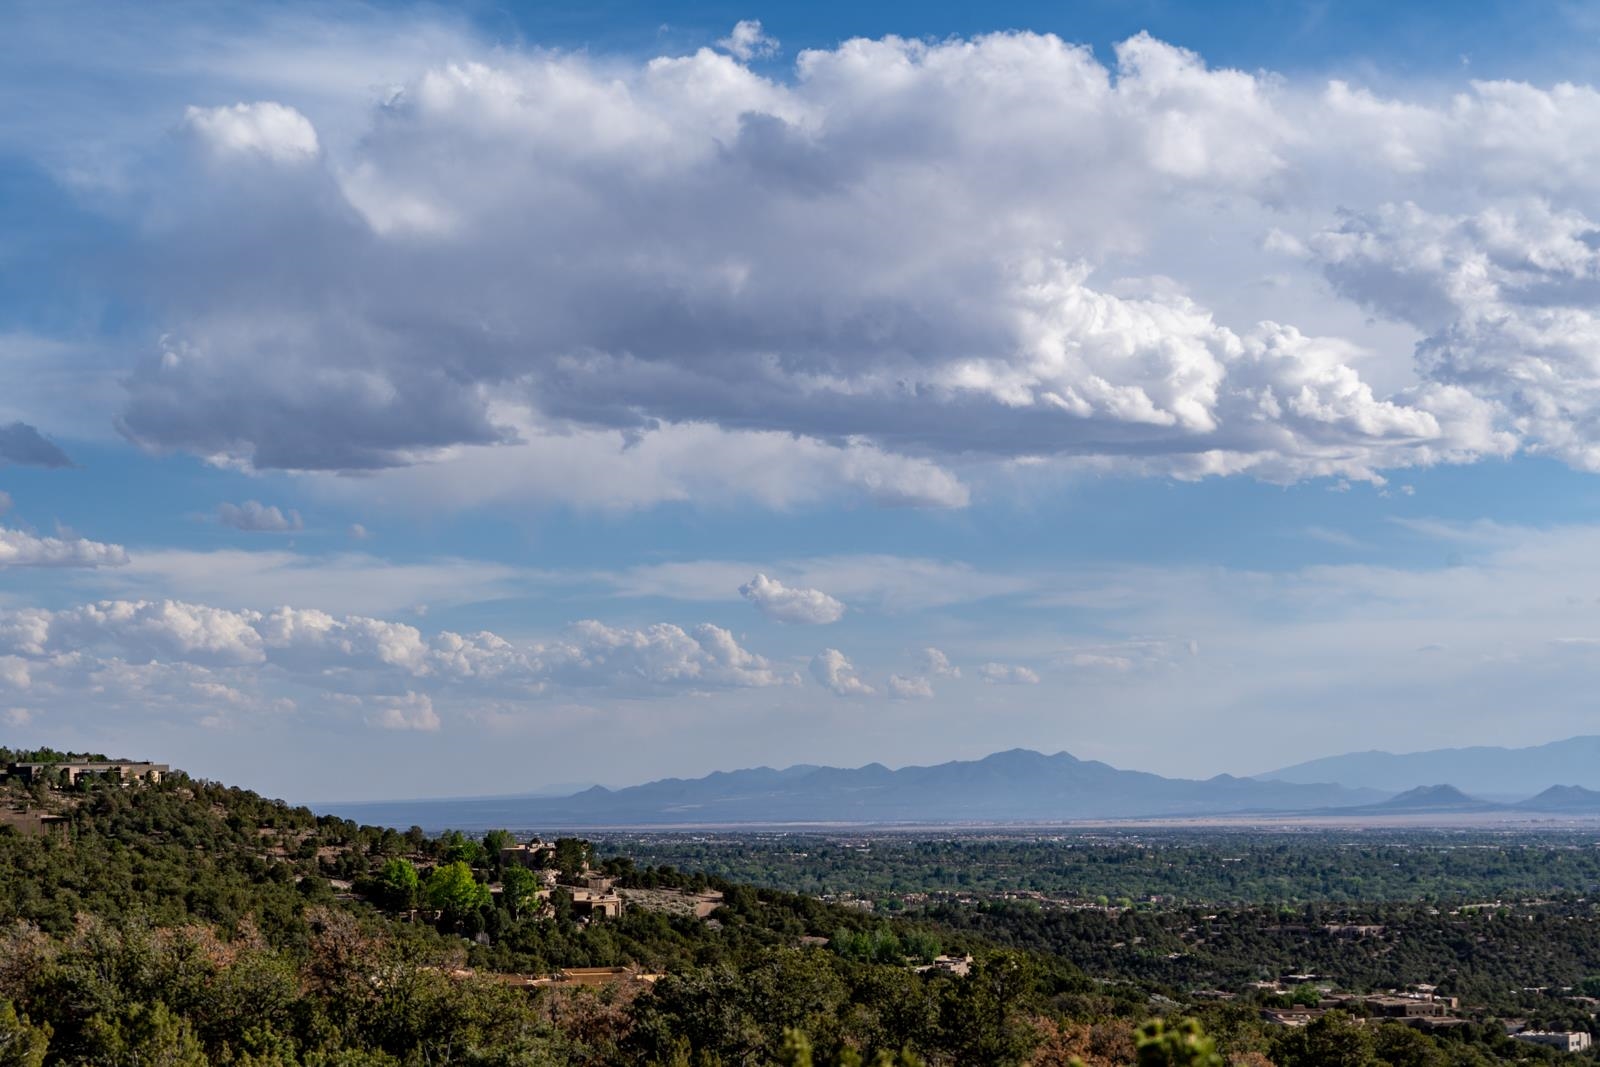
519, 890
399, 883
1146, 867
453, 890
1182, 1045
21, 1045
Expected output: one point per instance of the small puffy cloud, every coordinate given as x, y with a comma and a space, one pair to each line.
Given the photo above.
914, 688
1007, 674
789, 604
414, 711
17, 716
748, 41
938, 664
268, 130
834, 672
359, 532
21, 549
257, 517
25, 446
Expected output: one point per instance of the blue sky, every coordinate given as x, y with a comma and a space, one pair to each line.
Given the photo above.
422, 400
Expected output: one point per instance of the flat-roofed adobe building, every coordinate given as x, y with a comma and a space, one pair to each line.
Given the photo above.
1408, 1008
1564, 1040
71, 771
605, 905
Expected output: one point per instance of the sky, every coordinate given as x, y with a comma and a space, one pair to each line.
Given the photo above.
404, 401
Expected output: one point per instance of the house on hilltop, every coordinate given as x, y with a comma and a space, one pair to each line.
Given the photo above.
68, 773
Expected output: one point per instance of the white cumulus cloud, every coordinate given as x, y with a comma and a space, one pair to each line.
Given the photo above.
834, 671
355, 653
270, 130
21, 549
413, 711
255, 516
748, 41
936, 663
913, 688
790, 604
1008, 674
714, 262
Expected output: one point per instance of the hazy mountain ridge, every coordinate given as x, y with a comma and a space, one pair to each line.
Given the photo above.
1439, 799
1014, 786
1558, 798
1446, 799
1489, 769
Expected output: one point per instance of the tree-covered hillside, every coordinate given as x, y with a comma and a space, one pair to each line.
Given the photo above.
185, 923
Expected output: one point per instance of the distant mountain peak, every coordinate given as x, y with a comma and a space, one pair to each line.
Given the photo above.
1573, 799
1490, 770
1432, 796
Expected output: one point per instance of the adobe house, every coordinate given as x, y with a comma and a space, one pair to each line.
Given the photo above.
591, 903
535, 855
123, 770
37, 823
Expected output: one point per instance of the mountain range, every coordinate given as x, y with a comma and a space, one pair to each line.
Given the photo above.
1502, 772
1015, 786
1021, 786
1448, 800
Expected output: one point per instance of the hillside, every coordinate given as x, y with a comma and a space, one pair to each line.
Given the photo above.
183, 923
1018, 786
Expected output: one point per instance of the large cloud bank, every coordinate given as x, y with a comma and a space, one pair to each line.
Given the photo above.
919, 258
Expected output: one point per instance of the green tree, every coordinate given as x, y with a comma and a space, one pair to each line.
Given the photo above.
1401, 1046
519, 889
453, 890
1331, 1041
1183, 1044
143, 1036
459, 848
399, 883
572, 856
493, 842
796, 1052
21, 1045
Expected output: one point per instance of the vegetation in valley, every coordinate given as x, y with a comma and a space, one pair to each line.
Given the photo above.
1166, 866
